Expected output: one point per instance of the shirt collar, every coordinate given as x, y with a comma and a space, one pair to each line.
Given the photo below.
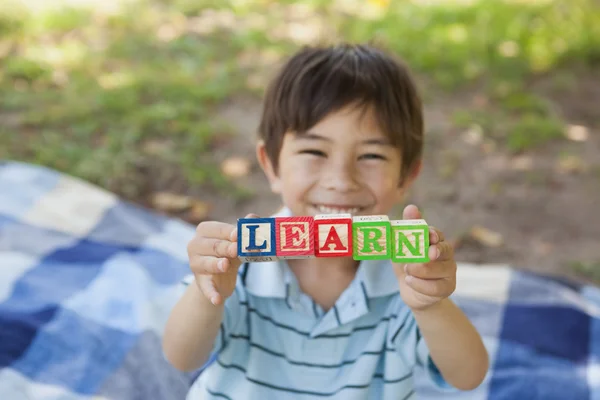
272, 279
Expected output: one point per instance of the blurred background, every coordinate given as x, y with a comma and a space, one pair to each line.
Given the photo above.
158, 101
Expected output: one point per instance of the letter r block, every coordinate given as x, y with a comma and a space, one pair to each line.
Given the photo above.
410, 241
256, 239
333, 235
371, 237
295, 237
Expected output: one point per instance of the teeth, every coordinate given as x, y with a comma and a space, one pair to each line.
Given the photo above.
331, 210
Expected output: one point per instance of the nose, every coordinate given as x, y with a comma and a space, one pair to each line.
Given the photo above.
340, 176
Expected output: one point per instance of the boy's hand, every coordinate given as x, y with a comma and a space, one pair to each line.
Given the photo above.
424, 285
213, 259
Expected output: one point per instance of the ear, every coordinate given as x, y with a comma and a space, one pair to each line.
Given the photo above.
267, 167
409, 179
414, 172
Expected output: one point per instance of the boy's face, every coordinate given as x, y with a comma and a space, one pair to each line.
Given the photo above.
344, 164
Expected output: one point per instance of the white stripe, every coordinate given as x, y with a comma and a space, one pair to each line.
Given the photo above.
489, 282
73, 206
14, 386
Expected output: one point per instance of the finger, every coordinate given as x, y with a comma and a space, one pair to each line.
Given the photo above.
207, 265
203, 246
216, 230
208, 289
435, 235
411, 212
442, 251
431, 287
430, 271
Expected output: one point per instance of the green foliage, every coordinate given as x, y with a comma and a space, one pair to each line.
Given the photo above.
89, 91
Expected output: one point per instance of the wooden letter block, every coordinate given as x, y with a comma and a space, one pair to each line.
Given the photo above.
410, 241
333, 235
371, 237
295, 237
256, 239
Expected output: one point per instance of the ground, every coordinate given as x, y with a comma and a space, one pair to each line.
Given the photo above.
159, 103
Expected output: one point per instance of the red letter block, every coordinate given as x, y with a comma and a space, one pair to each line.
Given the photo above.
333, 235
294, 237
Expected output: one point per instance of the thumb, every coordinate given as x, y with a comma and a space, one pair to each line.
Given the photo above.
411, 212
233, 236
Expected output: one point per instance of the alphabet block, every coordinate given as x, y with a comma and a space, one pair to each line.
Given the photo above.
295, 237
410, 241
333, 235
371, 237
256, 239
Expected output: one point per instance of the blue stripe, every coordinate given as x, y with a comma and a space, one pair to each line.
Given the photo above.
18, 330
37, 293
79, 361
544, 344
306, 364
218, 394
127, 224
310, 392
323, 336
592, 294
58, 276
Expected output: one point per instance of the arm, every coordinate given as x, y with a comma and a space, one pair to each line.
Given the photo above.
191, 330
455, 346
194, 323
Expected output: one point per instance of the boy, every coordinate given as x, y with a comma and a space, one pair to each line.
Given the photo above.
341, 132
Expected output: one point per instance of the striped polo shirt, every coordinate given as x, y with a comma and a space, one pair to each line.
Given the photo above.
275, 342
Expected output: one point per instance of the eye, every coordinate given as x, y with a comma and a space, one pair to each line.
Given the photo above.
373, 156
313, 152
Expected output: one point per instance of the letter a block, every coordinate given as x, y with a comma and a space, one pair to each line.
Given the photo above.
410, 241
371, 237
333, 235
256, 239
295, 237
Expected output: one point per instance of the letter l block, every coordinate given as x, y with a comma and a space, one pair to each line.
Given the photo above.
410, 241
256, 239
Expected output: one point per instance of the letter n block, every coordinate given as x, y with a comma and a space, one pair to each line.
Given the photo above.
295, 237
333, 235
371, 237
256, 239
410, 241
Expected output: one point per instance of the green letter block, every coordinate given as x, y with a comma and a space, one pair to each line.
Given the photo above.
410, 241
371, 237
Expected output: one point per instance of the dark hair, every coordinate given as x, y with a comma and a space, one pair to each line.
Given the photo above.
319, 80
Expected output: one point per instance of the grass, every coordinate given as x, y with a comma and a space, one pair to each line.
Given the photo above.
105, 95
590, 270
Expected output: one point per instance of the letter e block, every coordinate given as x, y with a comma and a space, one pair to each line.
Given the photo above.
410, 241
333, 235
256, 239
371, 237
295, 237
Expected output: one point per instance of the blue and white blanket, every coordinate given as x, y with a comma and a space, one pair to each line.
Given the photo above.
87, 282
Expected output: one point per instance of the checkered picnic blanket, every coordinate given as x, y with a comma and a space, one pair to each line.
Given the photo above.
87, 282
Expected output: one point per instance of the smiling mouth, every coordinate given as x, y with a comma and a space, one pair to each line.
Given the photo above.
330, 209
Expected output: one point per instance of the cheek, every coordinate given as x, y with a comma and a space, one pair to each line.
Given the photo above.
383, 182
298, 174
